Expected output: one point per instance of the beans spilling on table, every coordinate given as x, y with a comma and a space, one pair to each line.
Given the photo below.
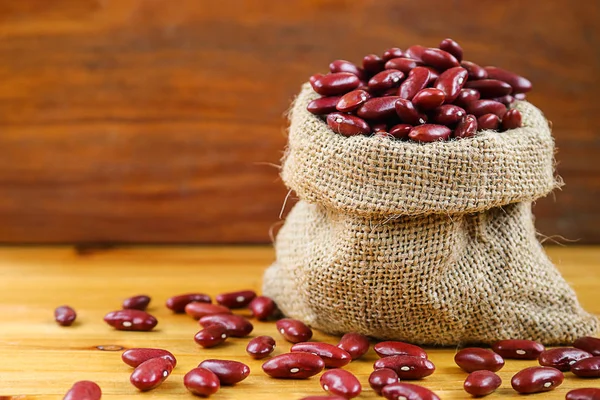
399, 361
421, 94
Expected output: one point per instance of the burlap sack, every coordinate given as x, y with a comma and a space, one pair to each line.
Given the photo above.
427, 243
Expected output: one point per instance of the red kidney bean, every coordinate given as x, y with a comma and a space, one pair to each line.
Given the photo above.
428, 99
587, 368
466, 127
518, 83
417, 80
407, 391
239, 299
347, 66
415, 52
293, 331
151, 373
236, 325
482, 107
393, 52
262, 308
519, 96
589, 344
536, 380
198, 310
408, 113
489, 88
465, 96
518, 349
488, 122
64, 315
450, 46
439, 59
84, 390
379, 128
201, 382
335, 84
562, 358
407, 367
352, 100
507, 100
340, 382
130, 320
400, 131
260, 347
447, 114
405, 65
378, 108
177, 303
393, 348
229, 372
211, 336
429, 133
451, 82
136, 302
373, 64
584, 394
474, 359
136, 356
482, 383
512, 119
294, 366
474, 71
354, 343
380, 378
323, 105
387, 79
333, 356
347, 125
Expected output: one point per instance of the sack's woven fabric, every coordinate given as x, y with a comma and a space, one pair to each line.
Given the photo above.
428, 243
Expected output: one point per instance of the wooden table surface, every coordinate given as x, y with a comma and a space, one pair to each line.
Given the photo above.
40, 360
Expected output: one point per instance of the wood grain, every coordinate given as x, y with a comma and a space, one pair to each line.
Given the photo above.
145, 121
41, 360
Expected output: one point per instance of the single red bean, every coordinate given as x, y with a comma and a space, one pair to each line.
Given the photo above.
407, 391
465, 96
507, 100
428, 99
451, 82
347, 125
401, 131
239, 299
415, 52
429, 133
562, 358
236, 325
407, 367
294, 366
512, 119
136, 302
340, 382
84, 390
313, 78
393, 52
211, 336
589, 344
201, 382
260, 347
519, 96
130, 320
151, 373
335, 84
466, 127
536, 380
448, 115
347, 66
136, 356
198, 310
64, 315
482, 383
518, 349
390, 78
439, 59
482, 107
293, 331
475, 71
518, 83
262, 308
378, 108
380, 378
379, 128
450, 46
587, 368
229, 372
402, 64
373, 64
352, 100
584, 394
474, 359
417, 80
333, 356
408, 113
490, 88
394, 348
489, 122
323, 105
177, 303
354, 343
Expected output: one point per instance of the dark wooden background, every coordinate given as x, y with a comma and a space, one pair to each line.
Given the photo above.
161, 120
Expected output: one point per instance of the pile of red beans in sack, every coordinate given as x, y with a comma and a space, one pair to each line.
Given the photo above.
422, 94
398, 362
